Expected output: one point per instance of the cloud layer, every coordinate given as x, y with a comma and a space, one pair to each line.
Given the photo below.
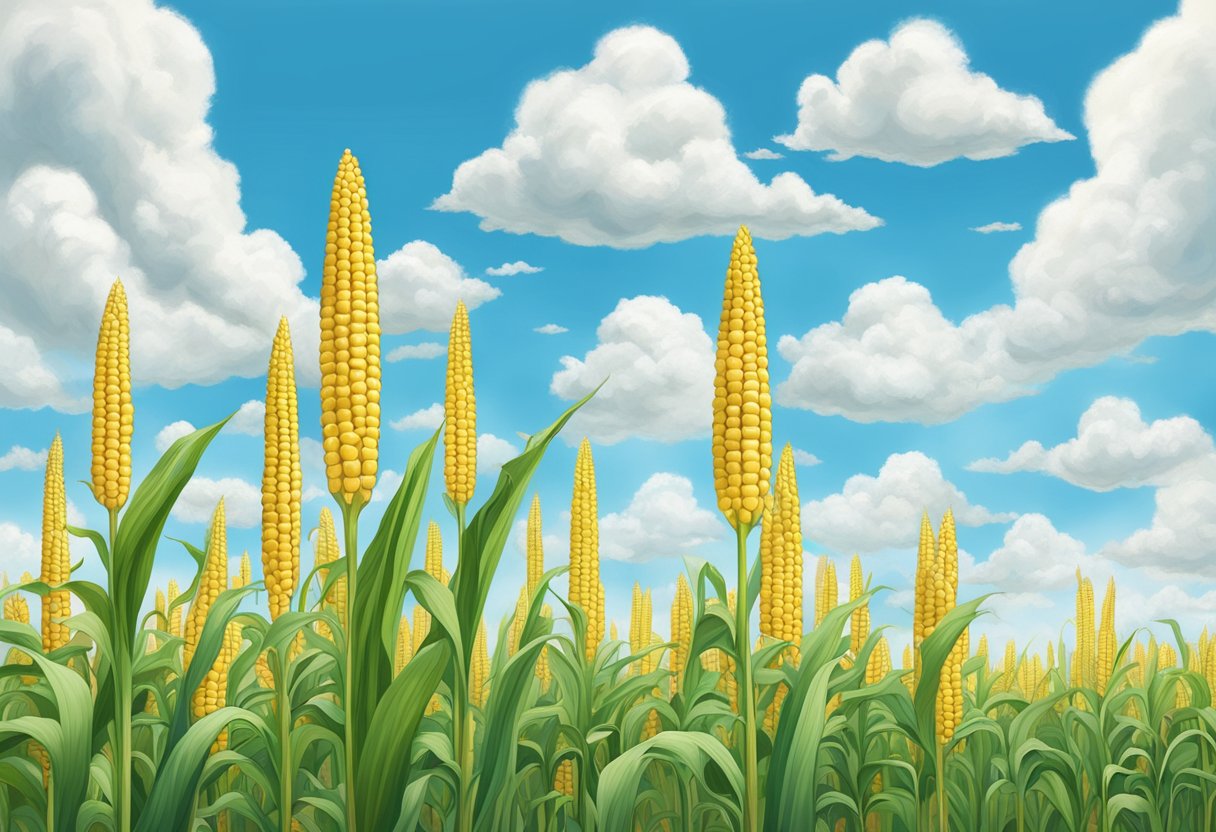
915, 99
663, 519
625, 152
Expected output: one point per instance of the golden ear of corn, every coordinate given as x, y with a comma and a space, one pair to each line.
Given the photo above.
246, 569
405, 646
827, 592
781, 559
175, 614
327, 551
639, 630
681, 632
742, 406
434, 567
113, 413
943, 586
535, 546
517, 622
859, 626
212, 581
879, 664
922, 614
1083, 663
585, 588
563, 779
281, 478
1106, 645
56, 559
460, 412
613, 633
543, 671
479, 672
350, 340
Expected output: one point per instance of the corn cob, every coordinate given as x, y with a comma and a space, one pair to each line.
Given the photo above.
56, 560
281, 478
543, 672
1009, 665
17, 609
681, 632
326, 551
113, 414
982, 649
636, 633
245, 571
212, 581
563, 780
460, 412
479, 673
742, 415
1083, 657
434, 567
1106, 640
649, 665
922, 615
1209, 664
781, 559
404, 651
350, 340
517, 622
945, 595
175, 613
879, 664
907, 663
826, 589
585, 589
535, 546
160, 606
859, 627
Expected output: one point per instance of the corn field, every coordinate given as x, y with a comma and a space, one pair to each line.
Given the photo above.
377, 697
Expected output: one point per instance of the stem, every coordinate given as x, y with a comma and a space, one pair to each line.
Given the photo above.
747, 695
350, 522
283, 703
462, 716
50, 801
942, 808
122, 701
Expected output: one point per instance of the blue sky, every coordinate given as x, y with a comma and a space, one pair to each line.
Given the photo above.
415, 91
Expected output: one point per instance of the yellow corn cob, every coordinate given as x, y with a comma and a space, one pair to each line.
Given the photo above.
681, 632
859, 628
535, 546
113, 414
1083, 657
326, 551
636, 633
434, 567
517, 622
159, 606
1009, 665
563, 780
543, 672
17, 609
585, 586
729, 683
649, 665
211, 582
879, 664
1106, 646
350, 340
742, 408
907, 664
404, 651
1209, 663
460, 412
922, 614
945, 595
175, 615
56, 560
281, 478
982, 649
479, 673
826, 588
245, 573
1167, 657
781, 559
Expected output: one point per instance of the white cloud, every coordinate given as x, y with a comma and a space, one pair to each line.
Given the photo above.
429, 418
21, 550
170, 433
1114, 448
249, 419
551, 329
518, 267
915, 99
407, 352
109, 169
659, 365
805, 458
1182, 536
387, 484
874, 513
625, 152
763, 153
663, 519
419, 286
1136, 608
1123, 256
20, 458
313, 492
242, 501
493, 453
997, 227
1034, 556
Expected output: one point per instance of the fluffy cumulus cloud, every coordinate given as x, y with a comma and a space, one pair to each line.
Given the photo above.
998, 227
763, 154
1124, 255
492, 453
624, 151
663, 519
659, 365
412, 352
805, 458
242, 501
170, 433
19, 458
428, 418
1114, 448
419, 287
1034, 556
915, 99
518, 267
1182, 535
249, 419
872, 513
551, 329
21, 550
109, 169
